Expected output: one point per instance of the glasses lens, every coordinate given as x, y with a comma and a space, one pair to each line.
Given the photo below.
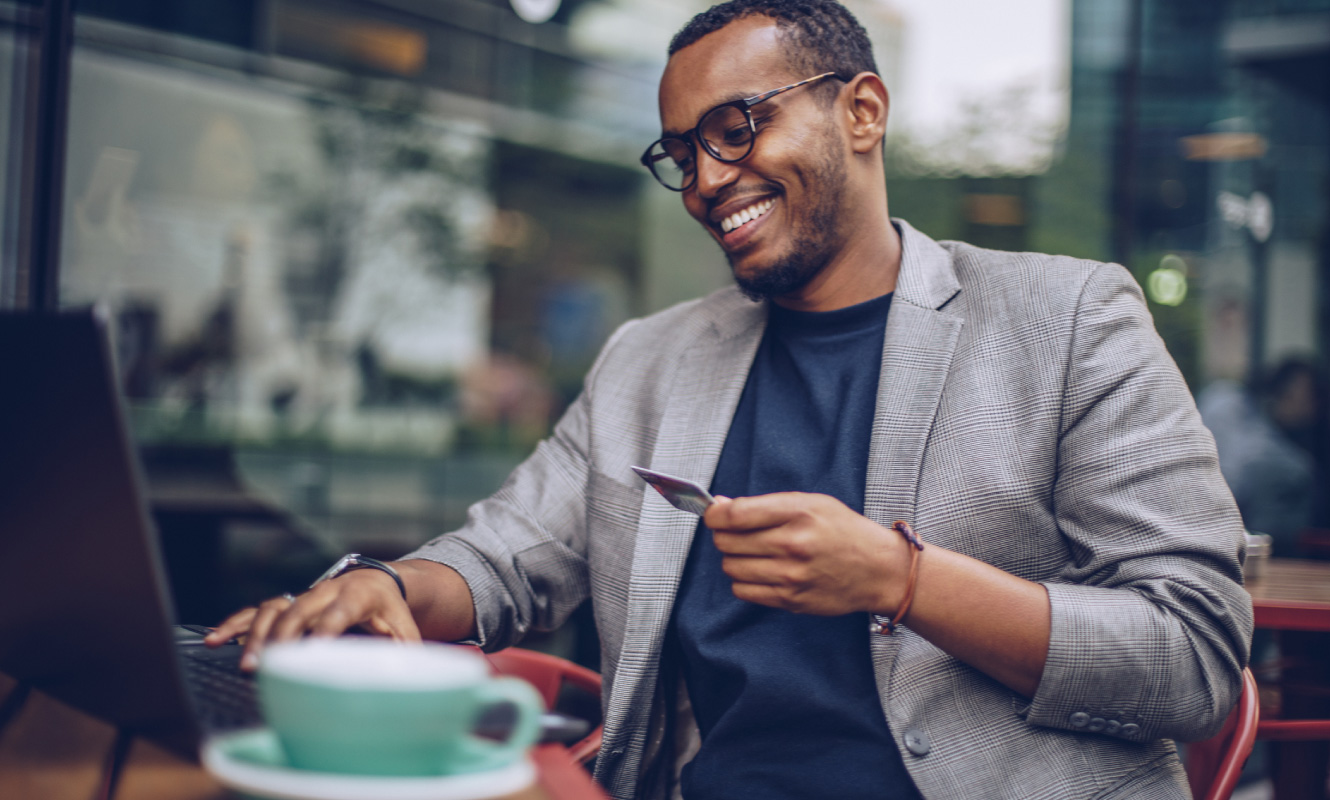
671, 161
726, 132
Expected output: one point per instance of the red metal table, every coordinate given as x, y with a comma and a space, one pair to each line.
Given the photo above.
1292, 597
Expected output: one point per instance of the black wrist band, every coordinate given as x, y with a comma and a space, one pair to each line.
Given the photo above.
355, 561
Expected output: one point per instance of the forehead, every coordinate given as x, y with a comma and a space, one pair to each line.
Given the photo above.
740, 60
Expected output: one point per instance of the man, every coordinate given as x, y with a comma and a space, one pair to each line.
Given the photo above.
1076, 602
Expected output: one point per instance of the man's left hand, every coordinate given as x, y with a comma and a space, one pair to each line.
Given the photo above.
808, 553
811, 554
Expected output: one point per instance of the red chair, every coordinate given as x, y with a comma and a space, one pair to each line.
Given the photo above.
1300, 755
1213, 766
549, 674
1294, 730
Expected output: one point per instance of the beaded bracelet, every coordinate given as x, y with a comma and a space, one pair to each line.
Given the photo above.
887, 625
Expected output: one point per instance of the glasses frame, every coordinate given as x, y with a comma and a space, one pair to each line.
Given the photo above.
691, 138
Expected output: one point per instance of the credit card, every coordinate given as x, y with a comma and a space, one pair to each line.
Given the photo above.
681, 493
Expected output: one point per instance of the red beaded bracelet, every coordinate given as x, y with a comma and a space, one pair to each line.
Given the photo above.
887, 625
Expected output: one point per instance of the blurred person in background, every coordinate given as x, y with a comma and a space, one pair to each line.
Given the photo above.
1271, 446
1296, 401
1075, 602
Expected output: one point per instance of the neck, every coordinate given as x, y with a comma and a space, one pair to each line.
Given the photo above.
864, 268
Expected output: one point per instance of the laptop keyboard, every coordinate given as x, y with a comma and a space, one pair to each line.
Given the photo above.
224, 696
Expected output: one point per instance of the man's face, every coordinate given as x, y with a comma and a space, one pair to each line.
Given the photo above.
790, 187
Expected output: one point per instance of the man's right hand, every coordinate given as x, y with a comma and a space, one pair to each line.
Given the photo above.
364, 598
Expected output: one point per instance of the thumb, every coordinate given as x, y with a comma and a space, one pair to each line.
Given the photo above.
715, 515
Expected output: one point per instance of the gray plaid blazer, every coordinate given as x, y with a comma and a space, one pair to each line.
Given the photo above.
1028, 415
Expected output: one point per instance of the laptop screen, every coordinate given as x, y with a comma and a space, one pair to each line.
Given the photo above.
84, 609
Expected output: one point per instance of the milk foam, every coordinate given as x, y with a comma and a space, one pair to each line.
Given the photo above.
381, 664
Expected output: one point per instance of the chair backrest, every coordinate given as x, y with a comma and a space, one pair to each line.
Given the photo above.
549, 674
1213, 765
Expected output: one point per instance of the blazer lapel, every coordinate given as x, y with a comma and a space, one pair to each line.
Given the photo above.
705, 388
919, 342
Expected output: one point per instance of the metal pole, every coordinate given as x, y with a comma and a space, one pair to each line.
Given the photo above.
1124, 205
1260, 227
1260, 293
46, 194
15, 226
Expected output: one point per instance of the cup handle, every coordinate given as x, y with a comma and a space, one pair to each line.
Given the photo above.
485, 754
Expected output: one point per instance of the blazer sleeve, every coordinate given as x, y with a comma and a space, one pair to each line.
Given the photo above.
1151, 627
522, 550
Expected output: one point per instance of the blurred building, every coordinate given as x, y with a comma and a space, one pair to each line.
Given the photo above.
1196, 152
1201, 131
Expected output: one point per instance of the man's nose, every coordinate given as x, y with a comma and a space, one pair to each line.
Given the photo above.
713, 174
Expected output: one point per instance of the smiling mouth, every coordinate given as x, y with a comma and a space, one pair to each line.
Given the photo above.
746, 215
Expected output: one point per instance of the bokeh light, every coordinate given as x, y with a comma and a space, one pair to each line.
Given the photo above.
1167, 285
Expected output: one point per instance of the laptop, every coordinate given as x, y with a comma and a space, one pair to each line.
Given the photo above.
85, 612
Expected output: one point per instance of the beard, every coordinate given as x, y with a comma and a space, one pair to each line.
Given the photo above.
814, 233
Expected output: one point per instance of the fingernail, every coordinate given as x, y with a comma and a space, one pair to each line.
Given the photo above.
250, 661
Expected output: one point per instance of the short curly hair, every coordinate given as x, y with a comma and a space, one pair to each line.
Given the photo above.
822, 35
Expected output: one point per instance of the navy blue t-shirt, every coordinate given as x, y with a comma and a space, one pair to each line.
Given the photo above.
787, 703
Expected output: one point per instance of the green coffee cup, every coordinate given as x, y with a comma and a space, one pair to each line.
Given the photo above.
369, 706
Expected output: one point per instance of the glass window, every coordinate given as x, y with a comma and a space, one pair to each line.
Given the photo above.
14, 46
349, 298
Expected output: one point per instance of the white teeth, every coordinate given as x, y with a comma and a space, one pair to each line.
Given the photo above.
746, 215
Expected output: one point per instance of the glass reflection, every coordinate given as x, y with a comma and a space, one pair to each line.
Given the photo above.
10, 137
335, 293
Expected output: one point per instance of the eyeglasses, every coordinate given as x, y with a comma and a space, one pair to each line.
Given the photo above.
726, 132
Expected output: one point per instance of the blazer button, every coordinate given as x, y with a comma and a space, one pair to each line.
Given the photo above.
1131, 729
1097, 724
1079, 720
916, 741
1112, 727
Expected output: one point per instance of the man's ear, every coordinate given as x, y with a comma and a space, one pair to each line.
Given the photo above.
868, 107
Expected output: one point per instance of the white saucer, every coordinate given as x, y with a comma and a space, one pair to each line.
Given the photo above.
251, 761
